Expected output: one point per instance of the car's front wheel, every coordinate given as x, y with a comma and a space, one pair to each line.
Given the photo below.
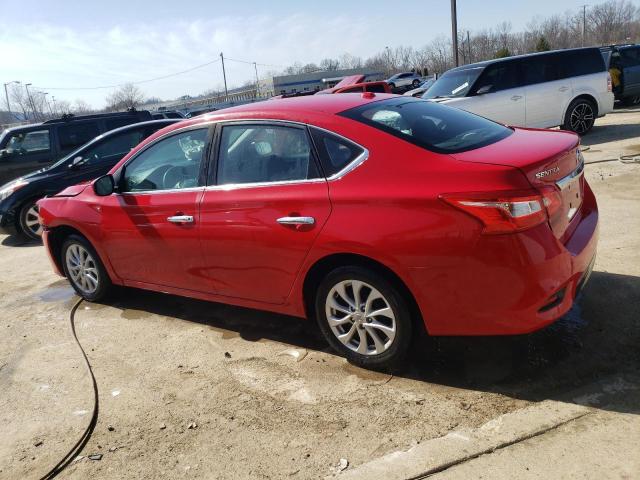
84, 270
364, 317
580, 116
415, 83
30, 221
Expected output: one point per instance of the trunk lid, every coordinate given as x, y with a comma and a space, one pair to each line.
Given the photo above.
552, 163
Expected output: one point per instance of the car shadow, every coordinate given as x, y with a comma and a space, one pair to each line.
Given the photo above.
18, 241
610, 133
598, 339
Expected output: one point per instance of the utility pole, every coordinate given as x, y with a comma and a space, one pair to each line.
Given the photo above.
224, 76
584, 23
454, 32
46, 101
255, 66
55, 110
6, 94
33, 106
469, 46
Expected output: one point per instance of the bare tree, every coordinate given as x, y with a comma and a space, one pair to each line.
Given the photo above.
81, 107
126, 96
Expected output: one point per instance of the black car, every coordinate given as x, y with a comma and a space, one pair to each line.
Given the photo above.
167, 114
30, 147
623, 61
18, 210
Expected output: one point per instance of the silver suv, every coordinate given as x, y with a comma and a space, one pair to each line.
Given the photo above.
403, 80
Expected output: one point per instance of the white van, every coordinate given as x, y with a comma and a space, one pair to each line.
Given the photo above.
566, 88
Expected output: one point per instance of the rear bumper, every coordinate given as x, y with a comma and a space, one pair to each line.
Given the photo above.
509, 284
606, 104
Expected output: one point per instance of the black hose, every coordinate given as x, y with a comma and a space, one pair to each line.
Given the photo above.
80, 444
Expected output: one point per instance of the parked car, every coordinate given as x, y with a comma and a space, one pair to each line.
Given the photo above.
567, 88
201, 111
404, 80
30, 147
377, 215
167, 114
356, 84
18, 210
421, 90
623, 62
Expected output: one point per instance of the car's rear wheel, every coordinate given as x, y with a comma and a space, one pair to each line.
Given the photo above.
415, 83
84, 270
580, 116
364, 317
30, 221
392, 85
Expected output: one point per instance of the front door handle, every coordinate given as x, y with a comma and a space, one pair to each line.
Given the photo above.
180, 219
516, 97
296, 220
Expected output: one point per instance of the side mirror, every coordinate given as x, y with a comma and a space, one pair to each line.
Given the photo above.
104, 186
77, 162
484, 89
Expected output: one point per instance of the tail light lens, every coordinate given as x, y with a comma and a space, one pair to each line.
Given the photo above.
506, 212
609, 83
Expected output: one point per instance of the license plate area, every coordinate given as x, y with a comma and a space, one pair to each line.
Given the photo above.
571, 190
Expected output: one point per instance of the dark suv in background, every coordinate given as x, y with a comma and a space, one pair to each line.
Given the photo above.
30, 147
624, 61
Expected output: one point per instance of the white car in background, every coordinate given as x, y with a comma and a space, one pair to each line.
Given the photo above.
566, 88
405, 80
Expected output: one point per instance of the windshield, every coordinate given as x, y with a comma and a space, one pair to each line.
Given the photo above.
429, 125
455, 83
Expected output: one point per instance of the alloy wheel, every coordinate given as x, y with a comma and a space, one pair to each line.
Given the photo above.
82, 268
582, 118
360, 317
32, 221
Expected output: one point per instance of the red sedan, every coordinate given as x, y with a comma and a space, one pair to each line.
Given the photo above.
374, 214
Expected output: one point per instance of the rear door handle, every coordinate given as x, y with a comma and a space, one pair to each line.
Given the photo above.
563, 89
296, 220
516, 97
180, 219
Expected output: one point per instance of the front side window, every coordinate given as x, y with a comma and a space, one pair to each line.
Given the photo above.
171, 163
454, 83
114, 147
429, 125
264, 153
21, 143
498, 76
540, 69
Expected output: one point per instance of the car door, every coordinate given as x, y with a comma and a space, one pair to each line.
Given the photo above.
630, 60
267, 205
497, 94
547, 93
25, 152
151, 224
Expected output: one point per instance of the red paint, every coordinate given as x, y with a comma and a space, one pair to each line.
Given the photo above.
388, 209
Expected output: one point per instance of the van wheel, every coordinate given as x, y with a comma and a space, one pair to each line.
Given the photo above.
580, 116
364, 317
84, 270
30, 221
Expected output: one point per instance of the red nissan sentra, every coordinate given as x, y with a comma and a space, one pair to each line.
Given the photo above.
377, 215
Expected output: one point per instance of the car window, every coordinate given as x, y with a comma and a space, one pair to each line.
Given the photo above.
335, 152
21, 143
499, 76
454, 83
264, 153
574, 63
114, 147
539, 69
376, 87
630, 57
173, 115
171, 163
429, 125
76, 134
113, 123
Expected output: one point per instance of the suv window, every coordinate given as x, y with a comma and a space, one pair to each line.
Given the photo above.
113, 123
76, 134
172, 163
113, 147
539, 69
429, 125
335, 152
580, 62
20, 143
499, 76
630, 57
264, 153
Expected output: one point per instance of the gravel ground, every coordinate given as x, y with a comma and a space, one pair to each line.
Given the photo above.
203, 390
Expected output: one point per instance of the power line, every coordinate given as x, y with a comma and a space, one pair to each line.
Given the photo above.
137, 82
256, 63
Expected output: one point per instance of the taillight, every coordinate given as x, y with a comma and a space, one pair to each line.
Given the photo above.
502, 212
609, 83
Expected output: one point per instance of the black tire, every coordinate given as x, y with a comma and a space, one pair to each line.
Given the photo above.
103, 283
415, 83
392, 86
630, 101
26, 218
394, 349
580, 116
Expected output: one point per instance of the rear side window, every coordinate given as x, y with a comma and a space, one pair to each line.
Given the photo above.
573, 63
76, 134
115, 147
335, 152
429, 125
630, 57
376, 87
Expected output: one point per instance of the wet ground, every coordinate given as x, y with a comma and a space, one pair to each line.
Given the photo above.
196, 389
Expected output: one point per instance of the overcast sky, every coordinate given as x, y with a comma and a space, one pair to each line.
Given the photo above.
94, 43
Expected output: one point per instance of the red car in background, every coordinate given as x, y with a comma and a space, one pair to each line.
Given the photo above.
374, 214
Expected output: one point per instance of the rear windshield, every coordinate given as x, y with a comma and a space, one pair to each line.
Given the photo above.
429, 125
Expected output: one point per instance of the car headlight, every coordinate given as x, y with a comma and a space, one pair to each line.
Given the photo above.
9, 188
